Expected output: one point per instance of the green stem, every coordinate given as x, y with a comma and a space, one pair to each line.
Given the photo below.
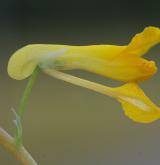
23, 105
20, 154
27, 92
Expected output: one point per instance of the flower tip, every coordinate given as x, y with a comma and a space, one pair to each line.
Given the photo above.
148, 67
152, 32
152, 29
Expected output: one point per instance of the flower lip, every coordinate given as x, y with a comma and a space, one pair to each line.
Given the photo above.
136, 105
148, 69
149, 66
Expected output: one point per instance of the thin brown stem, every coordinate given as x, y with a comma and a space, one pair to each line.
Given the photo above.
21, 154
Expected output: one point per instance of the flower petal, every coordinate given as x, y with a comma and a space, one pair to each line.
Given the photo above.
126, 69
136, 104
143, 41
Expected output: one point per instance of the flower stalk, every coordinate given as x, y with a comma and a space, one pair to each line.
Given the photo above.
80, 82
27, 92
23, 104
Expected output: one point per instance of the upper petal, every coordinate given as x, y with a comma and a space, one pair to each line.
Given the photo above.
143, 41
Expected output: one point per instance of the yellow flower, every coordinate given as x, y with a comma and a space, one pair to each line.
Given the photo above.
124, 63
136, 105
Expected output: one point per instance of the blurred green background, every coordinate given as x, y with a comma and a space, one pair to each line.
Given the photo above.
65, 124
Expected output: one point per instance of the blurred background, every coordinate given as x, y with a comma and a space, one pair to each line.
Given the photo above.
66, 124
